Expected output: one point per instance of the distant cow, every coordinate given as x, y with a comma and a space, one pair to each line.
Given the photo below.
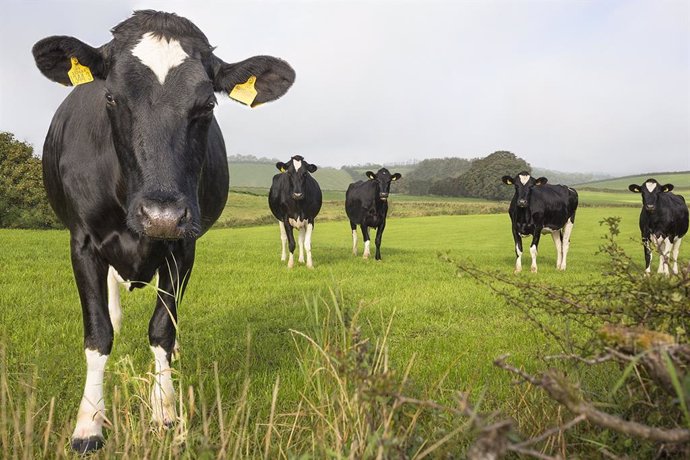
295, 200
536, 208
366, 205
663, 223
135, 166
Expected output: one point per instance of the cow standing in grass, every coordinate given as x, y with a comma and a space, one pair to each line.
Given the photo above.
295, 200
366, 205
536, 208
663, 223
135, 166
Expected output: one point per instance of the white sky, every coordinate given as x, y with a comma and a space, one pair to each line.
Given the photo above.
569, 85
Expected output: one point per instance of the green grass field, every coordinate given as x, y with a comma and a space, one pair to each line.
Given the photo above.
261, 174
452, 327
680, 179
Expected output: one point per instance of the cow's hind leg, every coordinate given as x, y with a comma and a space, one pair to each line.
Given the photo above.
307, 244
300, 239
283, 241
365, 237
353, 226
291, 244
676, 250
565, 246
172, 281
91, 276
665, 246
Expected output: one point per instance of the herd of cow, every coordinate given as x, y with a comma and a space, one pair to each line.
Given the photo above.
135, 167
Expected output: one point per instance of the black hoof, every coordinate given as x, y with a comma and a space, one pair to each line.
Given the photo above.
87, 445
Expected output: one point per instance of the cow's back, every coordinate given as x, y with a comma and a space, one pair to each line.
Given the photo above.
359, 197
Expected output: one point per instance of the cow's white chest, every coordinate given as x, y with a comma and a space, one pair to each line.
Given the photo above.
297, 223
159, 55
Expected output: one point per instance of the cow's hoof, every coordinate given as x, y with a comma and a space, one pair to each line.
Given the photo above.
87, 445
534, 269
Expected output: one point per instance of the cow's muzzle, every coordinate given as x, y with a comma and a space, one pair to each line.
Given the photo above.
298, 196
650, 207
383, 196
522, 203
164, 221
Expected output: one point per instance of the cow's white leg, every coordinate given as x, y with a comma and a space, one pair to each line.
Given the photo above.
283, 241
556, 235
91, 415
291, 260
676, 250
650, 246
567, 230
114, 306
533, 253
518, 260
366, 249
354, 242
162, 393
307, 244
300, 241
664, 262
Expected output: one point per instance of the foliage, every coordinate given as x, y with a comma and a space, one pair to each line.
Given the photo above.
635, 325
23, 201
483, 179
427, 172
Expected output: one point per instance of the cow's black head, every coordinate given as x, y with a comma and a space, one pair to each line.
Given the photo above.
159, 78
383, 180
297, 171
650, 191
524, 183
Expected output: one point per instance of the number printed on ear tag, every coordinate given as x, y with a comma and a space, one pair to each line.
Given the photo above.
79, 74
245, 92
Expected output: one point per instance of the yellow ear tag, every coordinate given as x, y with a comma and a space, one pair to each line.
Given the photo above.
79, 74
245, 92
282, 170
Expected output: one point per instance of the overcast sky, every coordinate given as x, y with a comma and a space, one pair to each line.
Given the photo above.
579, 86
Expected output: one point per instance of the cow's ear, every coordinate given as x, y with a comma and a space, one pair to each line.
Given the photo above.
370, 175
311, 168
396, 176
667, 188
253, 81
541, 181
635, 188
282, 167
507, 180
55, 57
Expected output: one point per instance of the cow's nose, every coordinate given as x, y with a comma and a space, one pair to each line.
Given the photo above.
383, 196
522, 203
165, 222
650, 207
298, 196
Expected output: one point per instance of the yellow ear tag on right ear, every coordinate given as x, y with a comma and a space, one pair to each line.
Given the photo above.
79, 74
245, 92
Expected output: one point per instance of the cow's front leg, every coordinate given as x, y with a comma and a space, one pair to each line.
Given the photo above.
646, 245
291, 243
300, 240
353, 226
365, 237
91, 274
567, 231
533, 247
173, 277
283, 241
379, 236
307, 243
557, 235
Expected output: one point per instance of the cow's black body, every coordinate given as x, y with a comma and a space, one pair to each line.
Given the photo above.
663, 223
366, 205
295, 200
538, 207
135, 166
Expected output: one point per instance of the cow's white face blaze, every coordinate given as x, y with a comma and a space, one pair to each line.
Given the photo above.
159, 55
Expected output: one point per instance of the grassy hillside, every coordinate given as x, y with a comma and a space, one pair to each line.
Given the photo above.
680, 179
238, 317
261, 174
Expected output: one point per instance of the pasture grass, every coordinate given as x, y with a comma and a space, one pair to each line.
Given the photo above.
444, 332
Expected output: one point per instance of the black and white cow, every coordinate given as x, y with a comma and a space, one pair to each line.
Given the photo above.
295, 200
536, 208
663, 223
366, 205
135, 166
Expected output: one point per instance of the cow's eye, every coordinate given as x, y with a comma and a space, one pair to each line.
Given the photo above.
109, 98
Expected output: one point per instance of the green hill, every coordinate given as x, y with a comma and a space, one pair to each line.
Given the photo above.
260, 175
681, 180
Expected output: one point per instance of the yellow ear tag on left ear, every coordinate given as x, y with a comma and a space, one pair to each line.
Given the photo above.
245, 92
282, 170
79, 74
